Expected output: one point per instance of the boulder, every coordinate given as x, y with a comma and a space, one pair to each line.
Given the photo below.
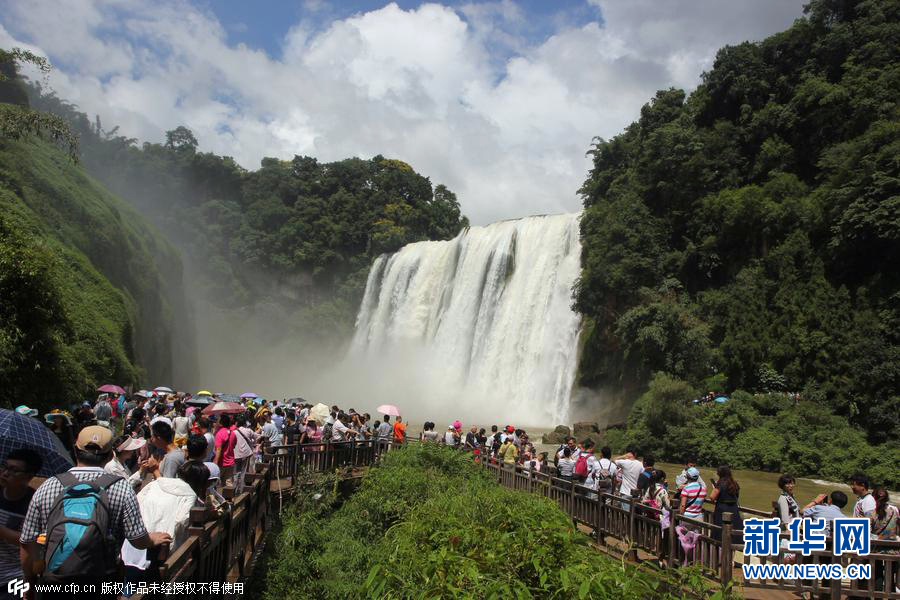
585, 429
557, 436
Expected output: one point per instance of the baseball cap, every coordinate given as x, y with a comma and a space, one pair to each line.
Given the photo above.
213, 471
693, 473
26, 412
165, 420
95, 435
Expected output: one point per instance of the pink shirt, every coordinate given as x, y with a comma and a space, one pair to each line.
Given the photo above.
226, 439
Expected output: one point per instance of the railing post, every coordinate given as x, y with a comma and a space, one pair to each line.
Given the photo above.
632, 523
725, 554
673, 536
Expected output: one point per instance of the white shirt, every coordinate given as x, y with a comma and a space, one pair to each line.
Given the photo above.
114, 467
566, 466
449, 438
631, 470
338, 431
864, 505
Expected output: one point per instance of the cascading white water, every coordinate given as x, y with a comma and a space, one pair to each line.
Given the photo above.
485, 318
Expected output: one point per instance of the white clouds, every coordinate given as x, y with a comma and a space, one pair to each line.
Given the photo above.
507, 133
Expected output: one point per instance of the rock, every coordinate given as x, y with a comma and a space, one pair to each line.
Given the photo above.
557, 436
584, 429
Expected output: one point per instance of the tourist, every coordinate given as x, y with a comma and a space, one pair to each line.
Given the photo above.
93, 449
384, 429
16, 472
165, 506
568, 443
203, 428
225, 441
124, 460
885, 518
786, 506
656, 494
270, 431
508, 453
566, 465
61, 425
103, 411
481, 438
630, 468
823, 508
292, 429
646, 476
692, 496
885, 527
182, 426
451, 438
605, 475
681, 479
471, 443
278, 419
311, 434
163, 438
586, 474
429, 434
399, 431
865, 505
725, 494
340, 432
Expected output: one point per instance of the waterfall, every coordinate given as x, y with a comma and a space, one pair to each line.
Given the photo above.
484, 319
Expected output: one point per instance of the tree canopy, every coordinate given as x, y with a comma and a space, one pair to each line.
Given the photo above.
747, 236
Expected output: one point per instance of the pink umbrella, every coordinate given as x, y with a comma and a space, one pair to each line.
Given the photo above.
110, 389
389, 409
223, 408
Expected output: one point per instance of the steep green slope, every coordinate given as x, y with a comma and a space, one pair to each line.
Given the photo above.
747, 237
86, 284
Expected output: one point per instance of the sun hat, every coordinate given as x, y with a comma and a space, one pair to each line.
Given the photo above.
95, 435
58, 413
165, 420
132, 443
25, 411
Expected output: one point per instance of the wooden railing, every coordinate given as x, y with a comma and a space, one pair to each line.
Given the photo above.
221, 550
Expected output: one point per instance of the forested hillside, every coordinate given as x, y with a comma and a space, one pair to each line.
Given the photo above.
295, 235
747, 237
89, 291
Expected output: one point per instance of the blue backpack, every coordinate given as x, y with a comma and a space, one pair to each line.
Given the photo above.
77, 526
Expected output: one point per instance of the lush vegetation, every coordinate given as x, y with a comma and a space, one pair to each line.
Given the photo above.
427, 523
747, 237
88, 288
769, 432
296, 235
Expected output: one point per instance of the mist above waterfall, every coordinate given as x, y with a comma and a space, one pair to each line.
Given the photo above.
479, 327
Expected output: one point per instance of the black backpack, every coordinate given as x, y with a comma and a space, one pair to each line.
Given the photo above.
77, 526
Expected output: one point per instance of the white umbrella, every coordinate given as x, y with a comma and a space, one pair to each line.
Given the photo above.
319, 413
164, 390
389, 409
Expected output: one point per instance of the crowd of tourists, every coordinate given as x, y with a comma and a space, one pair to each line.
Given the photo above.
142, 463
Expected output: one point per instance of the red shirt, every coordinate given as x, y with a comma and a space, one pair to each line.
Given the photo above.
226, 439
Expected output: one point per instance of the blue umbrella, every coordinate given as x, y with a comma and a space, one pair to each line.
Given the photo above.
17, 431
722, 399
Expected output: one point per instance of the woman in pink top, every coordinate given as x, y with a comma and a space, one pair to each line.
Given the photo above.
225, 442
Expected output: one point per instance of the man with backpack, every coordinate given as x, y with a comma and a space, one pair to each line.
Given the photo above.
84, 495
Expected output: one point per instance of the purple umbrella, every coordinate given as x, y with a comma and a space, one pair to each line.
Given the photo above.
110, 389
250, 395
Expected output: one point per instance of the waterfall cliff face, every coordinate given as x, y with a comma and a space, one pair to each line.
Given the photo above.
486, 318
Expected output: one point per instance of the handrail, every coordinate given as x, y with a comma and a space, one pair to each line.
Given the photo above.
223, 550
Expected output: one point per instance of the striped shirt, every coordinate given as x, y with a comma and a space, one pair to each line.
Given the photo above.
695, 495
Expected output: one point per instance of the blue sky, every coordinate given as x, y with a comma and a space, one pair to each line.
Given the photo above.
497, 99
264, 25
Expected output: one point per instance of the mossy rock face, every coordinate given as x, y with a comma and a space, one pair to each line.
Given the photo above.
86, 283
583, 429
557, 436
